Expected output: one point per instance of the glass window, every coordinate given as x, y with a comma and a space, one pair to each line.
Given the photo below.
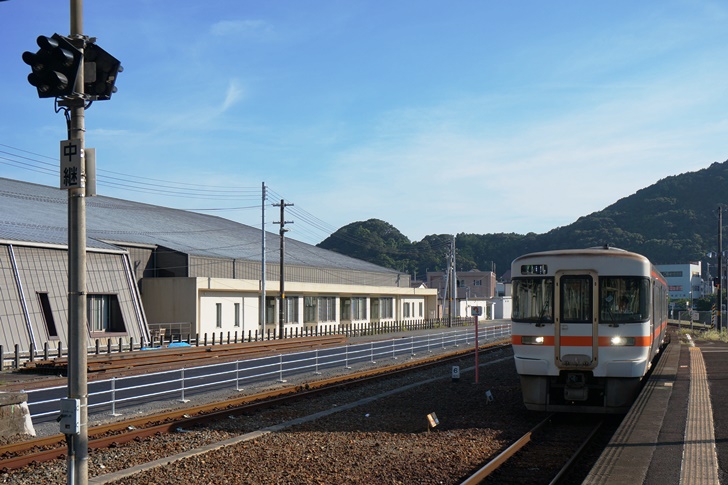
270, 309
576, 299
310, 309
533, 300
359, 308
45, 305
290, 304
104, 313
386, 307
624, 299
345, 310
218, 311
326, 309
237, 314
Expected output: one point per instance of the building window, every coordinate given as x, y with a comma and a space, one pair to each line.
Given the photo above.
50, 323
291, 310
327, 309
310, 309
478, 283
270, 309
237, 314
359, 308
218, 309
104, 313
406, 310
345, 312
386, 307
422, 309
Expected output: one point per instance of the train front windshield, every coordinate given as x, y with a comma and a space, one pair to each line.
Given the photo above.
622, 299
533, 300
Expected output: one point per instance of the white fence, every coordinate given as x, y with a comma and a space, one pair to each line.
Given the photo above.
182, 384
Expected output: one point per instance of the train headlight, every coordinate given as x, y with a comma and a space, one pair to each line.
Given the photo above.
531, 340
622, 341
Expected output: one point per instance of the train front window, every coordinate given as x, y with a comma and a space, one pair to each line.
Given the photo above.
576, 299
624, 299
533, 300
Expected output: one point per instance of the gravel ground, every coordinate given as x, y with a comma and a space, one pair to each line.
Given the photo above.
386, 440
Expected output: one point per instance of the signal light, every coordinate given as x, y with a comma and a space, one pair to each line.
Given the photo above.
55, 66
100, 72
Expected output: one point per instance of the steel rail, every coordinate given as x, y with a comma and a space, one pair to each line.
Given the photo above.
504, 456
482, 473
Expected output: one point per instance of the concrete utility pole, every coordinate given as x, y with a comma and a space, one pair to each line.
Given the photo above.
262, 264
454, 294
720, 269
282, 305
77, 358
60, 70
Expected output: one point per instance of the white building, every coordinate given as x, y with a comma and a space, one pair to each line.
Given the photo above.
684, 280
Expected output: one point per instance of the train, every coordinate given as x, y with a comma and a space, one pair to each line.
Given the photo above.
586, 326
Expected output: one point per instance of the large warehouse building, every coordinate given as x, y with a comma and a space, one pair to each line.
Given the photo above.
151, 268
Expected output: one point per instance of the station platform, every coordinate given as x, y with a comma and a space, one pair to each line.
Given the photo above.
677, 430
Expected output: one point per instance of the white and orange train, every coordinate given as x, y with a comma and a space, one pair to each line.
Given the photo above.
587, 325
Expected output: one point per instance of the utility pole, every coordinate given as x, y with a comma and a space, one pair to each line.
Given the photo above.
282, 304
74, 71
720, 268
77, 357
262, 265
454, 294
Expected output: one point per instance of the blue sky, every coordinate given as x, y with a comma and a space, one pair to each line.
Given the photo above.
437, 117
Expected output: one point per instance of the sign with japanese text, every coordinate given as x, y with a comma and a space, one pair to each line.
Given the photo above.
71, 164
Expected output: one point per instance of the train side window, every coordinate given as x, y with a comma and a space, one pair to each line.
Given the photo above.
533, 300
576, 299
624, 299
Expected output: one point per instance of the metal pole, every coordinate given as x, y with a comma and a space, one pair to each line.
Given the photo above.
262, 264
476, 349
720, 269
77, 377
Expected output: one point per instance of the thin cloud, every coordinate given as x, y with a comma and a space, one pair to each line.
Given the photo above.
233, 95
247, 28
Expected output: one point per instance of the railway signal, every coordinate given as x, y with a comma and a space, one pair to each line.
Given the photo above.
100, 72
54, 67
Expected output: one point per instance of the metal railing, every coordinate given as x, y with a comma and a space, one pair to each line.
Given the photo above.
17, 356
111, 394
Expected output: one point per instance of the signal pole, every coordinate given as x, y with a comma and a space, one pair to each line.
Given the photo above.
77, 358
282, 305
74, 70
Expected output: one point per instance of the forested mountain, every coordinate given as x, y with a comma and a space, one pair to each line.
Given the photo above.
672, 221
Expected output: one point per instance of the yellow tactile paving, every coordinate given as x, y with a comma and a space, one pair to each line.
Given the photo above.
699, 462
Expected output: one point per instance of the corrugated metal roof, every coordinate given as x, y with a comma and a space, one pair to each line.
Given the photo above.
38, 214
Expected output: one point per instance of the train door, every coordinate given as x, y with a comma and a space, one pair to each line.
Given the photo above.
576, 331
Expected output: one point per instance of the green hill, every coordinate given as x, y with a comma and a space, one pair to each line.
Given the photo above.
672, 221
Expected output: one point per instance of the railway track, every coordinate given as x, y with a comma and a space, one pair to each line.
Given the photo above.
18, 455
106, 364
546, 453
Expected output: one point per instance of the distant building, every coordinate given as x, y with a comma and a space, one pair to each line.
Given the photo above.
684, 280
474, 288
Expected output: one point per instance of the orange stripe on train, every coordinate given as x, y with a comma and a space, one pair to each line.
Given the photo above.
583, 341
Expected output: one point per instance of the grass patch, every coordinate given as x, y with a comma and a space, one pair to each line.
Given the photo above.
710, 334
